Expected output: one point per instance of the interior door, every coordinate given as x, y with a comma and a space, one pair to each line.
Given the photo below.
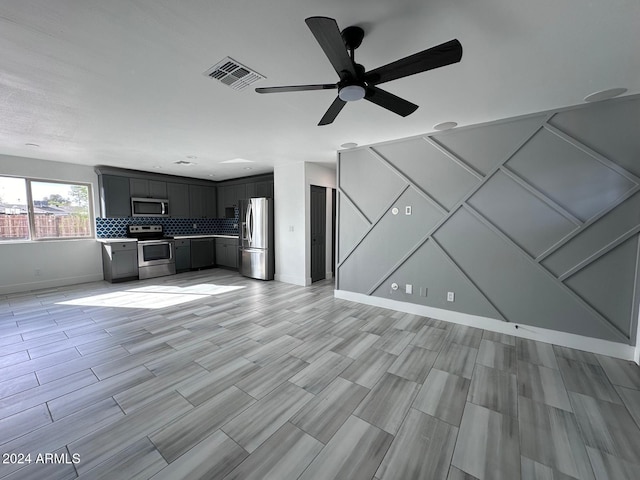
318, 232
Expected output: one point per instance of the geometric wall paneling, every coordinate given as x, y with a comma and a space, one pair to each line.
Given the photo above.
609, 128
519, 288
519, 214
521, 218
485, 146
568, 175
352, 227
444, 179
430, 268
610, 276
388, 242
359, 171
623, 220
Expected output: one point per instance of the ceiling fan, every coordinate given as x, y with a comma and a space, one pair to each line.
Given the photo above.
355, 83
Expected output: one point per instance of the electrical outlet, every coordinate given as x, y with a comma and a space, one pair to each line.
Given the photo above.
394, 286
195, 226
450, 296
408, 289
407, 210
423, 291
235, 225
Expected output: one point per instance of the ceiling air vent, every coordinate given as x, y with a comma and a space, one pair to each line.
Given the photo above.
233, 74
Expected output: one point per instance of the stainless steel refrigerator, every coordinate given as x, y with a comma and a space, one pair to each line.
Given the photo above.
256, 248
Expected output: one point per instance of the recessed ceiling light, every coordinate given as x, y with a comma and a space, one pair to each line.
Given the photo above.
212, 174
248, 168
182, 162
349, 145
158, 167
445, 125
191, 157
32, 145
237, 160
604, 94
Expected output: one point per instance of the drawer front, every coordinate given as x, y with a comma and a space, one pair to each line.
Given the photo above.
122, 246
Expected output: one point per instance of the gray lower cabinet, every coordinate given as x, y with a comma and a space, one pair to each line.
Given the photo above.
120, 261
227, 252
183, 255
202, 252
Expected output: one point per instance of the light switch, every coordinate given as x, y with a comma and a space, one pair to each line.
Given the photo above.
407, 210
409, 289
450, 296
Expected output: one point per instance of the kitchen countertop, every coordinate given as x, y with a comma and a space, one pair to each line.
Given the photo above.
184, 237
115, 240
176, 237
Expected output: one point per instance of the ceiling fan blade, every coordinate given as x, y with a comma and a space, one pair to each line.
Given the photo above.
389, 101
328, 36
297, 88
435, 57
332, 112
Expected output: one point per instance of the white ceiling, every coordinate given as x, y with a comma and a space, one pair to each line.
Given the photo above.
121, 83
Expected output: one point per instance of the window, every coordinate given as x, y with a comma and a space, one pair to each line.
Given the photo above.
40, 210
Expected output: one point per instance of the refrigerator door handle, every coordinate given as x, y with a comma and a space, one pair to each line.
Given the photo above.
249, 223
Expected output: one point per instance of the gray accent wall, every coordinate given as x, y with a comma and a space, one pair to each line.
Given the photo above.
533, 220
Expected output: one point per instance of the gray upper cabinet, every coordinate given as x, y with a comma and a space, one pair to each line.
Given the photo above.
264, 189
202, 201
259, 189
188, 198
141, 187
115, 198
228, 196
178, 195
250, 190
157, 189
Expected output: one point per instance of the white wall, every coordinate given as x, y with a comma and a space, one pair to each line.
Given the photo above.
289, 213
321, 177
292, 199
32, 265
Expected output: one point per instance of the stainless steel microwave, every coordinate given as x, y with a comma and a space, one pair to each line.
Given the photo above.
149, 207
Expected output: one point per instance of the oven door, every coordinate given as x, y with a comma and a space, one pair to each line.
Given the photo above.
155, 252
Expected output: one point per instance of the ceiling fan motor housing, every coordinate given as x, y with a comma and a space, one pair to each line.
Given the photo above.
352, 37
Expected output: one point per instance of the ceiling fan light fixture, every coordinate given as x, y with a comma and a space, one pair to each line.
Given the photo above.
351, 93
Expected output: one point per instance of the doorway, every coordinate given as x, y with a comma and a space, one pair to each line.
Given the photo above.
318, 217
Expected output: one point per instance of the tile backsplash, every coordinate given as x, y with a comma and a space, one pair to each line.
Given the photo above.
117, 227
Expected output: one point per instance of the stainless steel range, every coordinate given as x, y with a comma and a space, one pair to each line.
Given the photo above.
156, 251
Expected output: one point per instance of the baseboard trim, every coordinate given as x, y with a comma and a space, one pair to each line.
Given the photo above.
57, 282
290, 279
571, 340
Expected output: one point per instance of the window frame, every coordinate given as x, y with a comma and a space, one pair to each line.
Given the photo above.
31, 222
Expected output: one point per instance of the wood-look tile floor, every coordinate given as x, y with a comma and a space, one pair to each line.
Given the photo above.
214, 376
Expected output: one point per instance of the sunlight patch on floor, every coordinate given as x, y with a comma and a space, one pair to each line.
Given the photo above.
152, 296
